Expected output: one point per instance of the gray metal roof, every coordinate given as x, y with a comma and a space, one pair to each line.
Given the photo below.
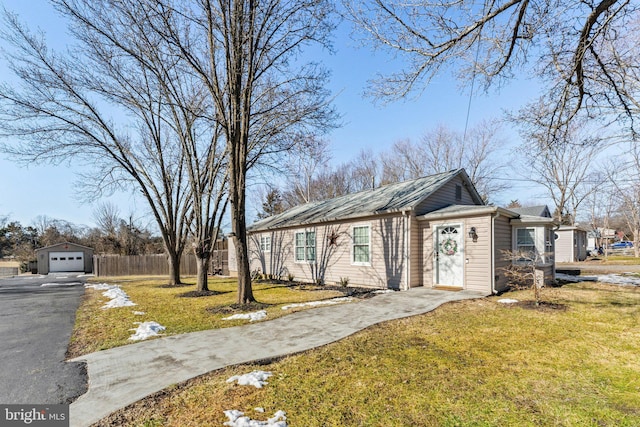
389, 198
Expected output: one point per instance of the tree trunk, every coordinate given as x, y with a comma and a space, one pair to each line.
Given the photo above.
202, 266
174, 269
238, 223
245, 291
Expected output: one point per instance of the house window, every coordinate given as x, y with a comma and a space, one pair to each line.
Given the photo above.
306, 246
526, 241
265, 243
534, 244
361, 245
458, 192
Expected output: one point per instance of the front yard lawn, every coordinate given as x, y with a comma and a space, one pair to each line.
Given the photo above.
573, 361
99, 329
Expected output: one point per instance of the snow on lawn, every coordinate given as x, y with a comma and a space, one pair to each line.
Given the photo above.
146, 330
256, 315
118, 297
238, 419
315, 303
258, 379
614, 279
507, 301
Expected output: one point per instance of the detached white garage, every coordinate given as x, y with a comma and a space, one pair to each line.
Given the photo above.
64, 257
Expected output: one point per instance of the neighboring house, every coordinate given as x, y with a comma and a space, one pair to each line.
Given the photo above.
64, 257
433, 231
571, 243
600, 237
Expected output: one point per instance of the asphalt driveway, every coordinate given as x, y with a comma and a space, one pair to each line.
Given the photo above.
35, 327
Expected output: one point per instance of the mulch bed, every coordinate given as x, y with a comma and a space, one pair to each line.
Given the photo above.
237, 308
197, 294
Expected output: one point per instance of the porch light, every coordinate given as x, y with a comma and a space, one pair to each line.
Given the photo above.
472, 234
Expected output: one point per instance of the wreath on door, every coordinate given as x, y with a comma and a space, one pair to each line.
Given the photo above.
449, 246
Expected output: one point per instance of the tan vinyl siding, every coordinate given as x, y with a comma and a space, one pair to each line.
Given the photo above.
387, 266
478, 254
564, 246
502, 241
427, 253
445, 196
415, 253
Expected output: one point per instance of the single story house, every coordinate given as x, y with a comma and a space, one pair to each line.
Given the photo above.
571, 243
64, 257
434, 231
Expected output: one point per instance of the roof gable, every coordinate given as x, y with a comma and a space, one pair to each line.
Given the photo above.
541, 210
63, 244
398, 197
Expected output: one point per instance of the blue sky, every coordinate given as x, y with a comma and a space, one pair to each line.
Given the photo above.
27, 192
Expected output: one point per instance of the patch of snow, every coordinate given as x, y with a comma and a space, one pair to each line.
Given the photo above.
237, 419
316, 303
507, 301
256, 378
614, 279
256, 315
259, 409
139, 313
118, 297
46, 285
384, 291
146, 330
99, 286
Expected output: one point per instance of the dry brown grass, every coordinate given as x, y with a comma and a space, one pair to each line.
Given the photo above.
471, 363
99, 329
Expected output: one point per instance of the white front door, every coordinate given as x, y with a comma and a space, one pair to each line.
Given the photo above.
66, 261
449, 257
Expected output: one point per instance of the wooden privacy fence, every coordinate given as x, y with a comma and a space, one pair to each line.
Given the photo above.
154, 265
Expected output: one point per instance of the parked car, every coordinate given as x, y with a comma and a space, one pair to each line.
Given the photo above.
622, 245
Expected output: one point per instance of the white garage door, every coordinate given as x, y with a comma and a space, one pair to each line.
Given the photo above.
66, 261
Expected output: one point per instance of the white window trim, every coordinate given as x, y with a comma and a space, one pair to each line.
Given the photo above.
265, 244
352, 255
541, 236
295, 246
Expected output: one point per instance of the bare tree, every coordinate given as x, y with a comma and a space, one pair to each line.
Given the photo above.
625, 178
443, 149
585, 52
244, 52
309, 159
523, 271
562, 166
601, 204
67, 104
107, 217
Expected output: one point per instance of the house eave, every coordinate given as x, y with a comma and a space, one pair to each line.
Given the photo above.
328, 220
464, 213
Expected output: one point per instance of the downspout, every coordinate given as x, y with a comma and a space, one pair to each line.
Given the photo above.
407, 245
493, 252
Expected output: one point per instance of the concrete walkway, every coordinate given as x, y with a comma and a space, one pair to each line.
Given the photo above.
123, 375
